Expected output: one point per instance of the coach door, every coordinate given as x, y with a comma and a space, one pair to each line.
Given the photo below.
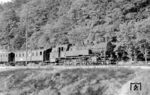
46, 55
11, 57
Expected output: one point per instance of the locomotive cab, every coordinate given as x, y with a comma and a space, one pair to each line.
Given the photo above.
58, 52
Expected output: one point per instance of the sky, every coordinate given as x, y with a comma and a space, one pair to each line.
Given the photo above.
3, 1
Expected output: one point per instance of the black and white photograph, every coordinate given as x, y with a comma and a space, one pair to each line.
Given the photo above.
74, 47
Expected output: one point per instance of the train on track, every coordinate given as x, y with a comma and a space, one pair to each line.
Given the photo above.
62, 54
67, 54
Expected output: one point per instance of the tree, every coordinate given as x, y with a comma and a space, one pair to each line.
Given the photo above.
9, 23
144, 48
143, 34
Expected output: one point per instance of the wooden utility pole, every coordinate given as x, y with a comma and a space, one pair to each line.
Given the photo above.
26, 38
106, 41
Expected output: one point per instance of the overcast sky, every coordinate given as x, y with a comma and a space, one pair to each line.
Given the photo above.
3, 1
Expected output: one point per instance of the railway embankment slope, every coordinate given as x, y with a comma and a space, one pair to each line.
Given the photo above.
77, 81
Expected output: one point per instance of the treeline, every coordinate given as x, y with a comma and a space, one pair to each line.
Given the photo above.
80, 22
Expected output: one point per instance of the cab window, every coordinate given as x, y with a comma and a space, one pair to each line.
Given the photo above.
62, 48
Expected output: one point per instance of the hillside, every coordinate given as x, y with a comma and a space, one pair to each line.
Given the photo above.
80, 22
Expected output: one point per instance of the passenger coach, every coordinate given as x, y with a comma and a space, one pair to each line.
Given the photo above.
3, 57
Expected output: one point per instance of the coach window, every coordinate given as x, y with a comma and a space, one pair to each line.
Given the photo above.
41, 53
36, 53
19, 55
22, 54
32, 53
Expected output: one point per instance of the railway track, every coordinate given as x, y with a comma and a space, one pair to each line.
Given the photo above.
5, 68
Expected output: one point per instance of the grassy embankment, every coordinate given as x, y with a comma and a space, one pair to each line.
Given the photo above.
71, 82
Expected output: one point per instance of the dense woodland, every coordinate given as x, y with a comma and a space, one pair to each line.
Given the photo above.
80, 22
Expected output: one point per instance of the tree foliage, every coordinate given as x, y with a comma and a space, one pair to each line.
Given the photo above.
80, 22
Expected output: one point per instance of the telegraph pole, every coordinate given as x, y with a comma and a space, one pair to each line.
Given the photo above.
26, 38
106, 41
